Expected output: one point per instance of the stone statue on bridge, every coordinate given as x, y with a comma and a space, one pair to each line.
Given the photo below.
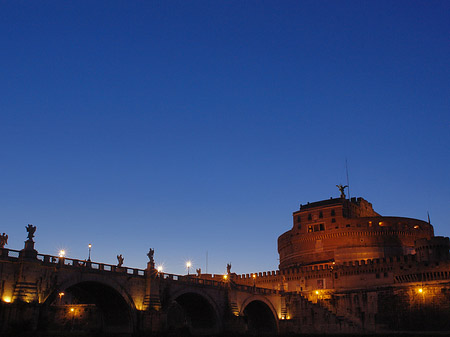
199, 272
30, 229
228, 268
150, 254
120, 260
151, 262
3, 240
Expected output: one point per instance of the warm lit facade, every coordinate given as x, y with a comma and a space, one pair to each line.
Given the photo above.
339, 230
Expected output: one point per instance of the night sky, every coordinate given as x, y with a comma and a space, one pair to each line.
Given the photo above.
198, 127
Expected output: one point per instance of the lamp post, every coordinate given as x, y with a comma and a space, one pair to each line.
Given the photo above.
89, 257
188, 265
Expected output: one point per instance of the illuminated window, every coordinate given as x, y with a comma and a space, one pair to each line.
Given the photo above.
310, 229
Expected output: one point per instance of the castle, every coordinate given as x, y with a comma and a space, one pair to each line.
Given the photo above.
375, 271
344, 268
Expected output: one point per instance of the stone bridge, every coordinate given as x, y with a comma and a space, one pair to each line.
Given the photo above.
51, 293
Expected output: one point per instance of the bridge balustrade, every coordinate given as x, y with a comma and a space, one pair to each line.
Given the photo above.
69, 262
10, 253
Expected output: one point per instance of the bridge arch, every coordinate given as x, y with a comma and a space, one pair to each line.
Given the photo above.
114, 308
260, 315
195, 310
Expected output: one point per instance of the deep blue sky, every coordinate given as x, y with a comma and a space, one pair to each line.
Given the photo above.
195, 126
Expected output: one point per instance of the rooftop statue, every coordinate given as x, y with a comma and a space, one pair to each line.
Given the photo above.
342, 189
228, 268
3, 240
30, 229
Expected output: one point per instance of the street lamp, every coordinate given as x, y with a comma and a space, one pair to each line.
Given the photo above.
62, 253
89, 258
61, 294
188, 265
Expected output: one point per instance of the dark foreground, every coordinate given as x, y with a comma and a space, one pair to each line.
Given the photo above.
186, 334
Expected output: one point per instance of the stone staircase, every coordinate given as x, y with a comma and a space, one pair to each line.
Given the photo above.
319, 317
26, 292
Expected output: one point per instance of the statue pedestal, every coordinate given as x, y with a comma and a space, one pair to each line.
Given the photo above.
28, 252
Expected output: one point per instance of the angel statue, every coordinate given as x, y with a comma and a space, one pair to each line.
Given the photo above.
30, 229
228, 268
342, 189
150, 254
120, 260
3, 240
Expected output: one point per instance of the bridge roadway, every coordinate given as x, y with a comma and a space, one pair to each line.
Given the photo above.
46, 292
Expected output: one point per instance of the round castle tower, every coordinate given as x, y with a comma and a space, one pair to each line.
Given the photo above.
339, 230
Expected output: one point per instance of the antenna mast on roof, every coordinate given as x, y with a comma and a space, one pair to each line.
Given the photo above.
348, 183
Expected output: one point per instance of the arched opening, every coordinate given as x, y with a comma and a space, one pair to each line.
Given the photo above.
191, 313
260, 319
87, 307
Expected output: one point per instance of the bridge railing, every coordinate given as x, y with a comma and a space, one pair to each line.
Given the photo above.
191, 279
11, 253
200, 281
69, 262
